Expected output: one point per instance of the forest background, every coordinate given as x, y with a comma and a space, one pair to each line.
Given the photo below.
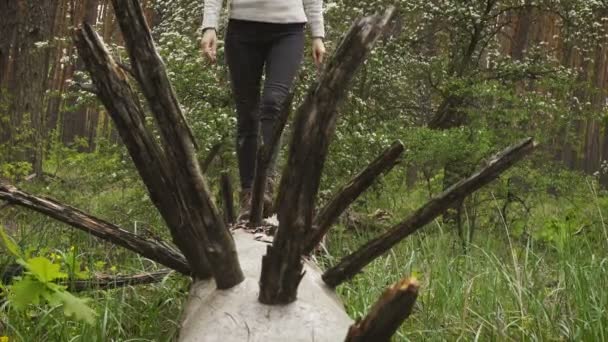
525, 258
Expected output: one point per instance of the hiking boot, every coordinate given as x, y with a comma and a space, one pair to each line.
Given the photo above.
245, 205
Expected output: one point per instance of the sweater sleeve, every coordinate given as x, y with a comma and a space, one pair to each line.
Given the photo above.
211, 13
314, 14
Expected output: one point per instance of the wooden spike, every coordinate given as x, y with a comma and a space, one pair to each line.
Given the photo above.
227, 197
264, 159
152, 164
199, 212
350, 192
151, 249
353, 263
386, 316
314, 126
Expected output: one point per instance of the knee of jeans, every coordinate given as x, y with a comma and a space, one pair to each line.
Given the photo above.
247, 127
271, 105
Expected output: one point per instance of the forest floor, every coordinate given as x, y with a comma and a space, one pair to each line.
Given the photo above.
545, 283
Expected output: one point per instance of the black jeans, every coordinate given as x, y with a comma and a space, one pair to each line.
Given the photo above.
251, 47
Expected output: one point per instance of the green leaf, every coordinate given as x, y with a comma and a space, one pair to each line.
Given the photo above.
44, 269
9, 244
27, 291
76, 307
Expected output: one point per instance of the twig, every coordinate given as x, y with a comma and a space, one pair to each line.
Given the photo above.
112, 282
87, 87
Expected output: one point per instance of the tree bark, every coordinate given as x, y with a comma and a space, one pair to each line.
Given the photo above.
178, 144
314, 126
154, 250
386, 316
235, 315
227, 198
265, 154
349, 193
149, 159
353, 263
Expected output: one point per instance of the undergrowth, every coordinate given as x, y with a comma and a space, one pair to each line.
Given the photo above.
533, 273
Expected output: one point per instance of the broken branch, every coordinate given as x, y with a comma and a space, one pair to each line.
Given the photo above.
151, 162
353, 263
349, 193
314, 126
179, 145
386, 316
153, 250
264, 158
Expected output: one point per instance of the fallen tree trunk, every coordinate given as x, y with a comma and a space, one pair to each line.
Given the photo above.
236, 315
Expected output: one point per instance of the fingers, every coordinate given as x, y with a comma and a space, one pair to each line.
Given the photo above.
209, 46
318, 52
318, 56
211, 50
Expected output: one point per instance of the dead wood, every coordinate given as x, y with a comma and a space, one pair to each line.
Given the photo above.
346, 195
388, 313
227, 198
154, 250
314, 126
151, 162
264, 159
353, 263
179, 145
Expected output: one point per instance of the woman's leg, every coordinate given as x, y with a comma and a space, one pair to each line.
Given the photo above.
245, 57
282, 64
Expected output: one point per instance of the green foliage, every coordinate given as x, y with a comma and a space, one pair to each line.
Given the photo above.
534, 256
39, 283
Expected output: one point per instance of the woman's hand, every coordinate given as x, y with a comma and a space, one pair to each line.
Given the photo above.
318, 51
209, 44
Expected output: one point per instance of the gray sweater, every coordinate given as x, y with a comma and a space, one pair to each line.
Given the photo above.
270, 11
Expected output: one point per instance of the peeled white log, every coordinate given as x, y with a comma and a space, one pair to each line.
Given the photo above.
236, 315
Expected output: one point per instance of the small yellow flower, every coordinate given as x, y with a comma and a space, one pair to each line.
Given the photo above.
3, 338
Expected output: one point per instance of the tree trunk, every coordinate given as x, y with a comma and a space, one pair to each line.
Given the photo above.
236, 315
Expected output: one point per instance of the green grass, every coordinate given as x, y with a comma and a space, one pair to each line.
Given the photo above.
491, 293
547, 284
